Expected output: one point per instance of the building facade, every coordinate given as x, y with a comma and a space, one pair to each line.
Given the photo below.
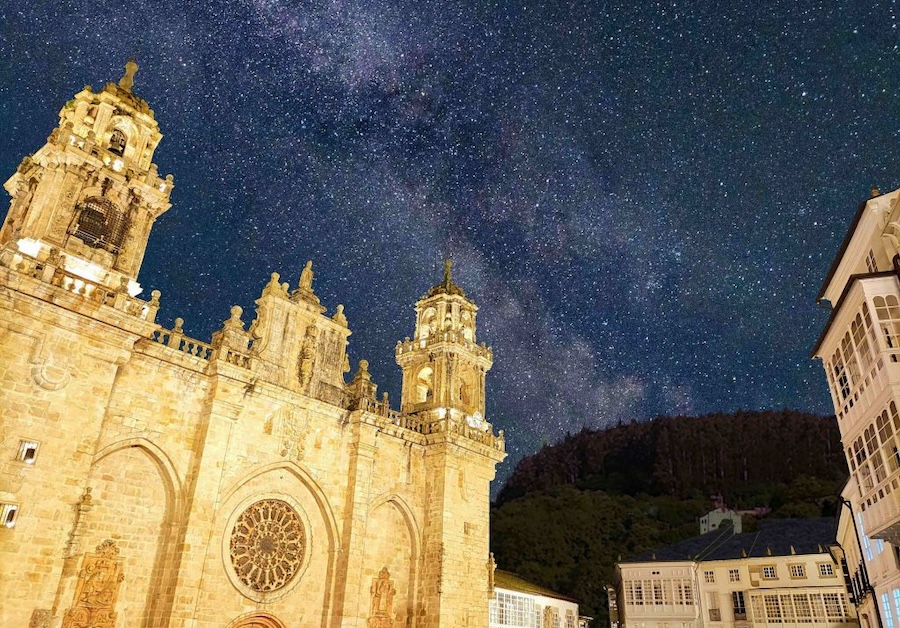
860, 351
152, 479
517, 603
781, 575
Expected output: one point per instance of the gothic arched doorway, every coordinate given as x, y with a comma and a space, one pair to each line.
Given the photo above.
257, 620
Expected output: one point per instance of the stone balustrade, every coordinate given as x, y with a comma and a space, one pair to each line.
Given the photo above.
426, 428
406, 345
51, 271
175, 339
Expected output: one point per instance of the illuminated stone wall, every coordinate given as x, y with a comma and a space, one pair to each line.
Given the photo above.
241, 481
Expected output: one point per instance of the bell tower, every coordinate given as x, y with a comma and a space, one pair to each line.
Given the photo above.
443, 366
92, 192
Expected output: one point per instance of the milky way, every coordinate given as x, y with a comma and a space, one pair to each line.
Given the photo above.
642, 197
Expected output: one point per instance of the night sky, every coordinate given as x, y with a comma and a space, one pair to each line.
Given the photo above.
642, 197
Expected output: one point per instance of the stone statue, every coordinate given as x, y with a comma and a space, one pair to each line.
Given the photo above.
127, 80
383, 592
307, 356
306, 278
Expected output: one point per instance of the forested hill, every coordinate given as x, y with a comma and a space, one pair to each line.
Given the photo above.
682, 456
571, 510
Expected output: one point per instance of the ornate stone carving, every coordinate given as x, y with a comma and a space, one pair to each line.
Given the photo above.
491, 568
307, 358
383, 591
97, 589
551, 616
291, 427
267, 545
40, 618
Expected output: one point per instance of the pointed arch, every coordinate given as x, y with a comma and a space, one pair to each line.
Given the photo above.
307, 480
406, 512
257, 620
159, 457
325, 511
166, 512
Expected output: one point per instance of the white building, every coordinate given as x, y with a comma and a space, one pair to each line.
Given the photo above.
518, 603
860, 350
781, 575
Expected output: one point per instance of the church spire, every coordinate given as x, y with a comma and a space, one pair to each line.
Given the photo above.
446, 286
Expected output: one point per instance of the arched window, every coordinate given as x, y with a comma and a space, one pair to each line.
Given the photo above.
117, 142
427, 326
424, 385
101, 225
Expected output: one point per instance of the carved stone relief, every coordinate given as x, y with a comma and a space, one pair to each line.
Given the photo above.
267, 545
40, 618
291, 427
307, 357
97, 589
383, 591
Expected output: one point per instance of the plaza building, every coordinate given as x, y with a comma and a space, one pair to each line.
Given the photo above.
517, 603
148, 478
860, 351
781, 575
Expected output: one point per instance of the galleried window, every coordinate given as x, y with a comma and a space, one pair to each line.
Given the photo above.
887, 310
101, 225
509, 609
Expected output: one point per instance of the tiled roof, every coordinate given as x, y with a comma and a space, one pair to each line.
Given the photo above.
512, 582
778, 537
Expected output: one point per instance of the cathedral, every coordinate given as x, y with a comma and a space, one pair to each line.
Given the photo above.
152, 479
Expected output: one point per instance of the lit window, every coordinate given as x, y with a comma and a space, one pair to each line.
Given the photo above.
8, 515
888, 615
768, 572
27, 451
867, 543
709, 576
887, 311
798, 571
826, 570
896, 601
734, 575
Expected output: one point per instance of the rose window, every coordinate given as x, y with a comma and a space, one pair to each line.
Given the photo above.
267, 545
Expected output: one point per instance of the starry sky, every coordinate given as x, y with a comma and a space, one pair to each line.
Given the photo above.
642, 197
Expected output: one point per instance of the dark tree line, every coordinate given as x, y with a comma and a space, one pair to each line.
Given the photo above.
681, 456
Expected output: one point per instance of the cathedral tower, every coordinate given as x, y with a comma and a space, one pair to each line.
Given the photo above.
92, 192
443, 366
443, 387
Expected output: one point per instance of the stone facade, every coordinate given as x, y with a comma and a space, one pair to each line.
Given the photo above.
152, 479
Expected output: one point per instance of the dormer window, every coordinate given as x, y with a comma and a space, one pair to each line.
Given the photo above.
117, 142
101, 225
